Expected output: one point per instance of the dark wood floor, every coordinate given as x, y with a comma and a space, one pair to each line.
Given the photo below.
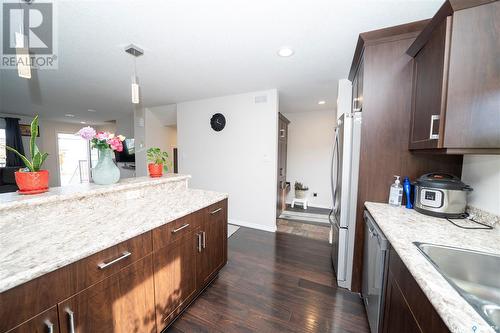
274, 282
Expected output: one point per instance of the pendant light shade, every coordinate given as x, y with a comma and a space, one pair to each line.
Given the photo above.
135, 90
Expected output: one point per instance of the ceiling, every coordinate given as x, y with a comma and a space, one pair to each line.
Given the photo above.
199, 49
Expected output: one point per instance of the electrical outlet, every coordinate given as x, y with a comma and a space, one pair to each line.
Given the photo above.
315, 194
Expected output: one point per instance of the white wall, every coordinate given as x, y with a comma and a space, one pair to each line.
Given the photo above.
344, 97
482, 172
309, 153
241, 160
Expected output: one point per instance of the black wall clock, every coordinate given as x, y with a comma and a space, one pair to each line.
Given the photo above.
218, 122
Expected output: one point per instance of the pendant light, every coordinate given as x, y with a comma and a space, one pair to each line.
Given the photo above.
135, 52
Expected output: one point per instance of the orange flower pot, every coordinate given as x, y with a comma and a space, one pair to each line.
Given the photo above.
155, 170
32, 182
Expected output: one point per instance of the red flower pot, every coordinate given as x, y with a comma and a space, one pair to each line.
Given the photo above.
155, 170
34, 182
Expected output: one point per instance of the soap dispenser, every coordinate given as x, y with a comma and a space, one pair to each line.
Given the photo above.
396, 193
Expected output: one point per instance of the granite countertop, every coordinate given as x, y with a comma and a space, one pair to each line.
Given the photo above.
65, 226
74, 192
404, 226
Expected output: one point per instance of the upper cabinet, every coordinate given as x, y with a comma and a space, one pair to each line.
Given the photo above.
456, 80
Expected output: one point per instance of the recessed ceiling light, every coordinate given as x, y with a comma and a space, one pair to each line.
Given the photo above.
322, 102
69, 115
83, 122
285, 52
91, 110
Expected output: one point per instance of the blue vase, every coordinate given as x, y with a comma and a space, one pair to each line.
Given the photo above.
105, 172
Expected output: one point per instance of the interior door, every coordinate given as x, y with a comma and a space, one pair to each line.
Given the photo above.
123, 302
282, 167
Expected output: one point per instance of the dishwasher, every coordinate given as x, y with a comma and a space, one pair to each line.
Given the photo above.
374, 272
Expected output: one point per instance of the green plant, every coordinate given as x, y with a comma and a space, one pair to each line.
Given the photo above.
300, 187
37, 157
156, 156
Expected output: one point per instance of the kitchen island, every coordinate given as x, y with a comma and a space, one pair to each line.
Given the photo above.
128, 256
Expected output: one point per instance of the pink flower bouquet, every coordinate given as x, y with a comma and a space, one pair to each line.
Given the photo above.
102, 140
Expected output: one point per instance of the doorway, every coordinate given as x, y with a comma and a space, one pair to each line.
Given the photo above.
74, 156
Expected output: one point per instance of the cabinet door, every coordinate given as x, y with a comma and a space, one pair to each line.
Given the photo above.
473, 104
45, 322
397, 315
123, 302
429, 90
214, 243
175, 277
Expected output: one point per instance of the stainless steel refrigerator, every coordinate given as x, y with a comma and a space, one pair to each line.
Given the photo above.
344, 183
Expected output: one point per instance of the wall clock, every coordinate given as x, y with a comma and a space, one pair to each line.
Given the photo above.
218, 122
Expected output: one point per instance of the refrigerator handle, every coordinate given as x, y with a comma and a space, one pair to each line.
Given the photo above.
334, 169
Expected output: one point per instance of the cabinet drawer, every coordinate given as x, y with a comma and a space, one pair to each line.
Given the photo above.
172, 231
109, 261
216, 209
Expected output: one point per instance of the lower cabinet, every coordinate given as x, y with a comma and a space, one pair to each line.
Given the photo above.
175, 278
397, 315
213, 233
406, 308
120, 303
46, 322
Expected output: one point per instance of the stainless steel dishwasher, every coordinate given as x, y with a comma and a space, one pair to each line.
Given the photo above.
374, 272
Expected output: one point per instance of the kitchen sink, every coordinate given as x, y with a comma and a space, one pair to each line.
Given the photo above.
475, 275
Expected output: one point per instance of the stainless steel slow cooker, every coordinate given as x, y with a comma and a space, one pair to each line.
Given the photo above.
441, 195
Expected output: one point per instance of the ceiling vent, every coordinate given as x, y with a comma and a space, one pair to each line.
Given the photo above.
260, 99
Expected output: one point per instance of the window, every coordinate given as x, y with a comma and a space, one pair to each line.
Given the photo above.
2, 148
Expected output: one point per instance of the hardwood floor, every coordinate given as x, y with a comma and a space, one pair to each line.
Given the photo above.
274, 282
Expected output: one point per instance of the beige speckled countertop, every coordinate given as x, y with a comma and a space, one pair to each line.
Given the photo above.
42, 233
404, 226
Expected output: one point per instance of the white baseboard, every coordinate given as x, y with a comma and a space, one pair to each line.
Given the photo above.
312, 205
253, 225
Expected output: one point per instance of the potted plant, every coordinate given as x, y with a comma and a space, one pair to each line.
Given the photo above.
157, 162
32, 180
300, 190
105, 172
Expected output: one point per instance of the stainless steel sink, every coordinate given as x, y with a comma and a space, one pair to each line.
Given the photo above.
475, 275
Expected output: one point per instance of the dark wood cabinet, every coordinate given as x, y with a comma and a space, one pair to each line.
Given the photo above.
456, 80
46, 322
213, 252
429, 89
406, 308
174, 277
381, 73
120, 303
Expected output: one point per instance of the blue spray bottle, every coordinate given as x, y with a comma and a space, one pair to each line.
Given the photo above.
407, 189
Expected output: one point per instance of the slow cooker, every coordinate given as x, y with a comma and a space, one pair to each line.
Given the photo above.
441, 195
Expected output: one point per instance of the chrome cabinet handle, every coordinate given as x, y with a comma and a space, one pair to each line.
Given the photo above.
180, 228
124, 255
71, 320
50, 326
433, 136
216, 211
204, 237
199, 242
282, 133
